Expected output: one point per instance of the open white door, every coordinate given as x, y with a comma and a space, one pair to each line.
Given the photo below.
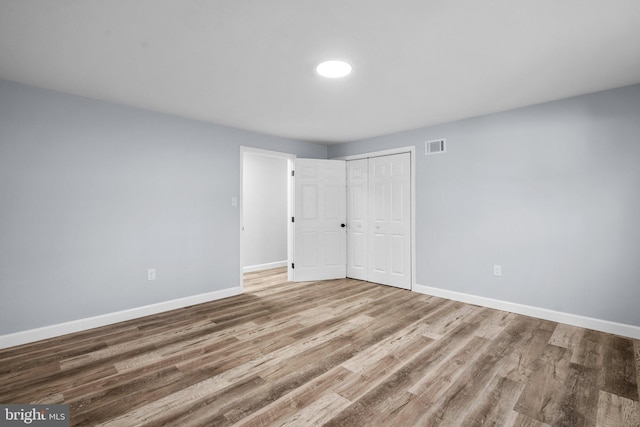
320, 242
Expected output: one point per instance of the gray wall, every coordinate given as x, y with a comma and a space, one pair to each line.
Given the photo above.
92, 194
550, 192
264, 196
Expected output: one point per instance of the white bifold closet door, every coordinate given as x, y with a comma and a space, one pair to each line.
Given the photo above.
379, 220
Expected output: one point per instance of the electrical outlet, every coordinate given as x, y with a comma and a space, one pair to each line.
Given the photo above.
497, 270
151, 274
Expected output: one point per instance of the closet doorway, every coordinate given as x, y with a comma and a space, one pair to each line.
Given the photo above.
379, 220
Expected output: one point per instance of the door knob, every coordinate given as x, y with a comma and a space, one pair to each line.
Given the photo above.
343, 225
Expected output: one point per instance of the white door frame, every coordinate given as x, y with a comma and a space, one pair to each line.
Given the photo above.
412, 150
290, 162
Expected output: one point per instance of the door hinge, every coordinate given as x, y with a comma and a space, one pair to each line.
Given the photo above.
293, 219
293, 265
293, 173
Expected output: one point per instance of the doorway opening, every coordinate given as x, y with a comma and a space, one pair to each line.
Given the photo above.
264, 209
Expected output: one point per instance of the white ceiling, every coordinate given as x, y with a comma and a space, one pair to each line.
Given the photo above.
251, 63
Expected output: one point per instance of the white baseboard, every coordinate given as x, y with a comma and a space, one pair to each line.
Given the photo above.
622, 329
267, 266
32, 335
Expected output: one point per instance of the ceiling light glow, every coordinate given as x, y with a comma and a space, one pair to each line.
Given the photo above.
334, 69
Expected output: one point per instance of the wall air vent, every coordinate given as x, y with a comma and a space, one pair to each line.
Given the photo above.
435, 147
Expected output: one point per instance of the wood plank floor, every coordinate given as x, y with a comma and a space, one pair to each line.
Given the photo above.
335, 353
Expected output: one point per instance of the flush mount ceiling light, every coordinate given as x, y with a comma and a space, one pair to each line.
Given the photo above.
334, 69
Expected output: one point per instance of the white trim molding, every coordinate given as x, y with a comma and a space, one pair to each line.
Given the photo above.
389, 152
59, 329
267, 266
622, 329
